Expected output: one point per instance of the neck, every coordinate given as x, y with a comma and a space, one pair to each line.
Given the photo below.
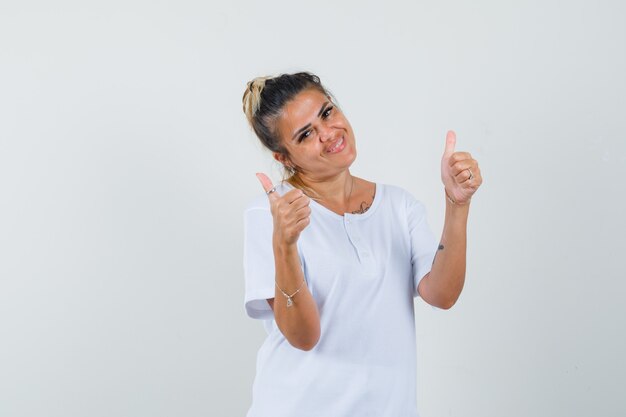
335, 190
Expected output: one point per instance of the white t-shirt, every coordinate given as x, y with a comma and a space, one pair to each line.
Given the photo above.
363, 271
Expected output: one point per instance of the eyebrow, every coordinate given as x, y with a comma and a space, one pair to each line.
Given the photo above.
308, 125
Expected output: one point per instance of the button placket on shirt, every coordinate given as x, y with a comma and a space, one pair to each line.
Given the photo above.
364, 253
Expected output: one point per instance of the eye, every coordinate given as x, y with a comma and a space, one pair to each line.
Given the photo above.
325, 115
304, 135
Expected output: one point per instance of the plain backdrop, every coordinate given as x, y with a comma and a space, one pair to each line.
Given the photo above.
126, 162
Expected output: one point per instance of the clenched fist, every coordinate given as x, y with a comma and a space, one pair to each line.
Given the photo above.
291, 212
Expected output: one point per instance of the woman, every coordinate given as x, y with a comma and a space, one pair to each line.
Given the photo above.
332, 262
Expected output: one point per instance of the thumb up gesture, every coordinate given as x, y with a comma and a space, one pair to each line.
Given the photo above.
459, 172
291, 212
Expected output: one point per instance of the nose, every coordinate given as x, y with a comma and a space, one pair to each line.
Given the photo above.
326, 134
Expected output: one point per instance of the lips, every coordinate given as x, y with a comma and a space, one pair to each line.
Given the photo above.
337, 146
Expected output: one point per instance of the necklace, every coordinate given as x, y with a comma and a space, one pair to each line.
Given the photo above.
351, 188
349, 195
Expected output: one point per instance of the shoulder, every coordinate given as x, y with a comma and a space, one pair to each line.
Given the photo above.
398, 194
402, 199
394, 191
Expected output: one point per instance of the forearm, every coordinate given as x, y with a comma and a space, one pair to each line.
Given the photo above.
300, 322
447, 274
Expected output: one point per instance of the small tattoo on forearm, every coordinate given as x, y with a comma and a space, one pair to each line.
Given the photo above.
438, 249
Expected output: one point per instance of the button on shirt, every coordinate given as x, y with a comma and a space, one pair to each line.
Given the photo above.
363, 271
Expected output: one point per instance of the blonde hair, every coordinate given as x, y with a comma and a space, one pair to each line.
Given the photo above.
263, 102
252, 96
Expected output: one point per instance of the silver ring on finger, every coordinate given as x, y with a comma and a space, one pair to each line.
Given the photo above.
270, 191
471, 175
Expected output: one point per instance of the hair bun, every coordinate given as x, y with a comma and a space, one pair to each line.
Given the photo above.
252, 96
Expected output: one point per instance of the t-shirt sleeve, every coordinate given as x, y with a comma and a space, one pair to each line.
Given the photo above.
423, 242
258, 263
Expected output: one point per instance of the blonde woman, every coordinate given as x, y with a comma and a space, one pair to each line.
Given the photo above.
333, 262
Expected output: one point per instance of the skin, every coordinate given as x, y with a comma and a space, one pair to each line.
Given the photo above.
329, 175
442, 286
300, 322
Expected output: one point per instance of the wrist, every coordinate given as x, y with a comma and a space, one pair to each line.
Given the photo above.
284, 248
454, 202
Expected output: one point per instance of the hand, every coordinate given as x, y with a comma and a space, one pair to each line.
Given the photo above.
291, 212
455, 172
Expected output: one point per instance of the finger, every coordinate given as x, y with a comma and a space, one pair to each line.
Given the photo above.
302, 212
300, 201
478, 178
266, 182
298, 209
450, 144
459, 156
463, 165
464, 176
285, 204
474, 180
302, 223
292, 195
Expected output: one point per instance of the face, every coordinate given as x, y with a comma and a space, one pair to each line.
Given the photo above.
318, 137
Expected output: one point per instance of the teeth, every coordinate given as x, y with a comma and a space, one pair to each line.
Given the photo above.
339, 142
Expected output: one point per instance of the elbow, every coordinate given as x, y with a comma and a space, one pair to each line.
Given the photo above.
448, 303
437, 295
308, 346
303, 334
307, 343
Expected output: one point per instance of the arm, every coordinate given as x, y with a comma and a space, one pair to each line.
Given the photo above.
299, 323
461, 176
442, 286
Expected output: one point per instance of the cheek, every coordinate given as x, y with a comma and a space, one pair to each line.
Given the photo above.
343, 122
304, 153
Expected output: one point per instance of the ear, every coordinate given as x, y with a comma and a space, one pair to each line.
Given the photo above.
280, 158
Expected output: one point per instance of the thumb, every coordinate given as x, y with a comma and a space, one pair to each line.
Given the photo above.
450, 143
266, 182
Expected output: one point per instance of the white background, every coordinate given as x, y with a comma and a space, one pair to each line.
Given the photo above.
126, 161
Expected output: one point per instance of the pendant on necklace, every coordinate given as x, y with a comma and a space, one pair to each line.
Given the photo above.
289, 302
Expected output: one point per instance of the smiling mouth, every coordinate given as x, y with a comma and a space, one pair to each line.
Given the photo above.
338, 146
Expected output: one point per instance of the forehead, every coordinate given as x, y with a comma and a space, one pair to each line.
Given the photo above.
299, 111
